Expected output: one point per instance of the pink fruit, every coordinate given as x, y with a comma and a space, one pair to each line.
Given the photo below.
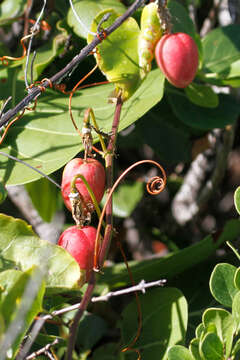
177, 57
94, 173
80, 243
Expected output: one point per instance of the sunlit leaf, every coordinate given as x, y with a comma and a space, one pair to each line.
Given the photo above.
46, 138
10, 10
21, 249
237, 199
222, 283
221, 48
87, 10
117, 56
15, 307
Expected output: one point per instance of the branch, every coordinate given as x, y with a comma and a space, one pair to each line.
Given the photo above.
142, 286
36, 91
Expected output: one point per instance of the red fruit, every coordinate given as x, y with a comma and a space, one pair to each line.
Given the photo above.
94, 173
177, 57
80, 243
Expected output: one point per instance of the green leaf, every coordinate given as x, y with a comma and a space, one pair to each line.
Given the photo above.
169, 138
237, 279
3, 193
212, 347
200, 330
10, 10
18, 308
21, 249
236, 350
117, 56
173, 263
183, 23
47, 53
87, 10
221, 48
164, 314
236, 309
46, 138
202, 95
179, 352
109, 351
91, 329
126, 197
194, 349
222, 284
231, 72
44, 196
237, 199
224, 325
180, 19
198, 117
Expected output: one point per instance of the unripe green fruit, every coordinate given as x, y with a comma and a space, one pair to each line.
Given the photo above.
177, 57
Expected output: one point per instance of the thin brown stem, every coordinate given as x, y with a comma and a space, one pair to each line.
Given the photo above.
82, 307
109, 180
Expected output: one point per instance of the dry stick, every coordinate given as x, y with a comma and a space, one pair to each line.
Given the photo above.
107, 236
36, 91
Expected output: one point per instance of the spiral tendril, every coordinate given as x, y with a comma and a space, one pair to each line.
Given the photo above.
155, 185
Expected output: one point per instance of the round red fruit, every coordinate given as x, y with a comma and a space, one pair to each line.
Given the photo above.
177, 57
80, 243
94, 173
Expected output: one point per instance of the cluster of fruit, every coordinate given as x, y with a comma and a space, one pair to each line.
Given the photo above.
79, 240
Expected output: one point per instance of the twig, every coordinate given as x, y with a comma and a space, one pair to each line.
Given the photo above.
43, 350
34, 30
142, 286
38, 325
36, 91
82, 307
